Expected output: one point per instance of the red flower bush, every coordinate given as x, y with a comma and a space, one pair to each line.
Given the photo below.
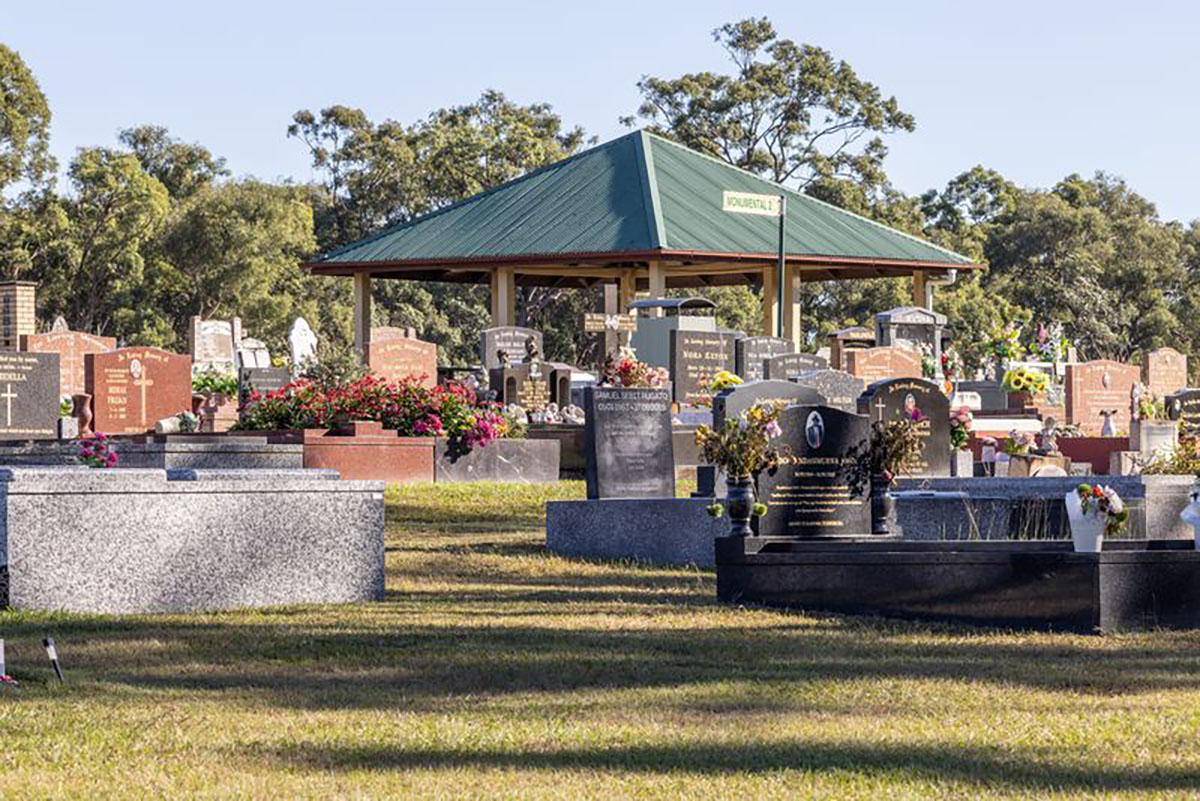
452, 410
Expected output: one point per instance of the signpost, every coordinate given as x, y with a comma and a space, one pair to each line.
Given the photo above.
764, 206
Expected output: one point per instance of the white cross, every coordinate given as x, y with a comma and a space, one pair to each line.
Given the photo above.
881, 406
8, 399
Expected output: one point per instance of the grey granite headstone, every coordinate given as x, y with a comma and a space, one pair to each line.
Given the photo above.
261, 379
751, 352
992, 396
508, 338
732, 402
821, 489
790, 365
839, 388
627, 443
697, 356
29, 395
914, 398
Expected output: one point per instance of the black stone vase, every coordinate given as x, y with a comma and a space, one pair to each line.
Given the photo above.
883, 506
739, 503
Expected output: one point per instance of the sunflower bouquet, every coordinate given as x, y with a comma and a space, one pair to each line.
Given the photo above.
1024, 379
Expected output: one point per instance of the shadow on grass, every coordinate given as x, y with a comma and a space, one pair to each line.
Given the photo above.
1026, 769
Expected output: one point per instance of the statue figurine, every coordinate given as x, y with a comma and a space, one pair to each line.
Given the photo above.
1049, 437
532, 353
502, 357
1136, 393
1108, 429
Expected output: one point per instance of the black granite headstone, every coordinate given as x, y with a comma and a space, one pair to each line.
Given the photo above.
820, 490
1184, 406
262, 380
790, 365
508, 338
732, 402
697, 356
627, 443
924, 401
29, 395
839, 388
751, 352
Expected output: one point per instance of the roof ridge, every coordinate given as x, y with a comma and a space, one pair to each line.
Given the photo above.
807, 198
658, 232
400, 226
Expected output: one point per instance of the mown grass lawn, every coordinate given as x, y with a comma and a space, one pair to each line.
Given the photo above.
493, 669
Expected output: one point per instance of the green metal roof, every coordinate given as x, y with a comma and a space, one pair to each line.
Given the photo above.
638, 196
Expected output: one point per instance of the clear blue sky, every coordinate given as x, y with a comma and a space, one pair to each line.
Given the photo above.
1035, 90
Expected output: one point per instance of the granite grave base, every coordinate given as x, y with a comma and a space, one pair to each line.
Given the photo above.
509, 461
144, 540
1032, 508
1012, 584
662, 531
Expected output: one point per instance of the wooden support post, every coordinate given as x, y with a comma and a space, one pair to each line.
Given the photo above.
658, 283
920, 295
362, 313
627, 294
792, 328
770, 304
612, 305
504, 297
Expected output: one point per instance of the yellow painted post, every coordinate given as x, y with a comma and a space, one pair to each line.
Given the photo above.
658, 283
792, 328
504, 301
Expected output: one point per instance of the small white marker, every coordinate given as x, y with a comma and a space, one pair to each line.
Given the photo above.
52, 652
3, 672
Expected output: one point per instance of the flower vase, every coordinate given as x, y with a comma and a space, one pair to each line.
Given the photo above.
883, 506
1087, 530
739, 502
1191, 514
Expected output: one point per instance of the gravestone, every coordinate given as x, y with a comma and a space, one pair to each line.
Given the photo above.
527, 385
914, 398
1164, 371
730, 403
1184, 406
750, 352
697, 356
134, 388
253, 353
393, 358
511, 340
790, 365
71, 347
839, 388
821, 489
214, 344
992, 397
263, 380
627, 443
29, 395
59, 325
853, 338
878, 364
910, 327
302, 344
1100, 386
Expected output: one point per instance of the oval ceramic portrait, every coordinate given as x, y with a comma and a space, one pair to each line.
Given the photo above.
814, 430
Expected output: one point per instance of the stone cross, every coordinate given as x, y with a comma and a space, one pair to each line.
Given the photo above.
142, 381
8, 396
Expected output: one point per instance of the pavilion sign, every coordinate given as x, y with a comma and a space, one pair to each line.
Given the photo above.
764, 206
749, 203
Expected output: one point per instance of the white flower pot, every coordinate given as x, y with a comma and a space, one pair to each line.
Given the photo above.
1087, 530
1191, 515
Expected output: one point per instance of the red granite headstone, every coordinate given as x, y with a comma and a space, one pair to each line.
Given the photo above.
1096, 386
1164, 371
134, 388
877, 364
71, 347
392, 355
